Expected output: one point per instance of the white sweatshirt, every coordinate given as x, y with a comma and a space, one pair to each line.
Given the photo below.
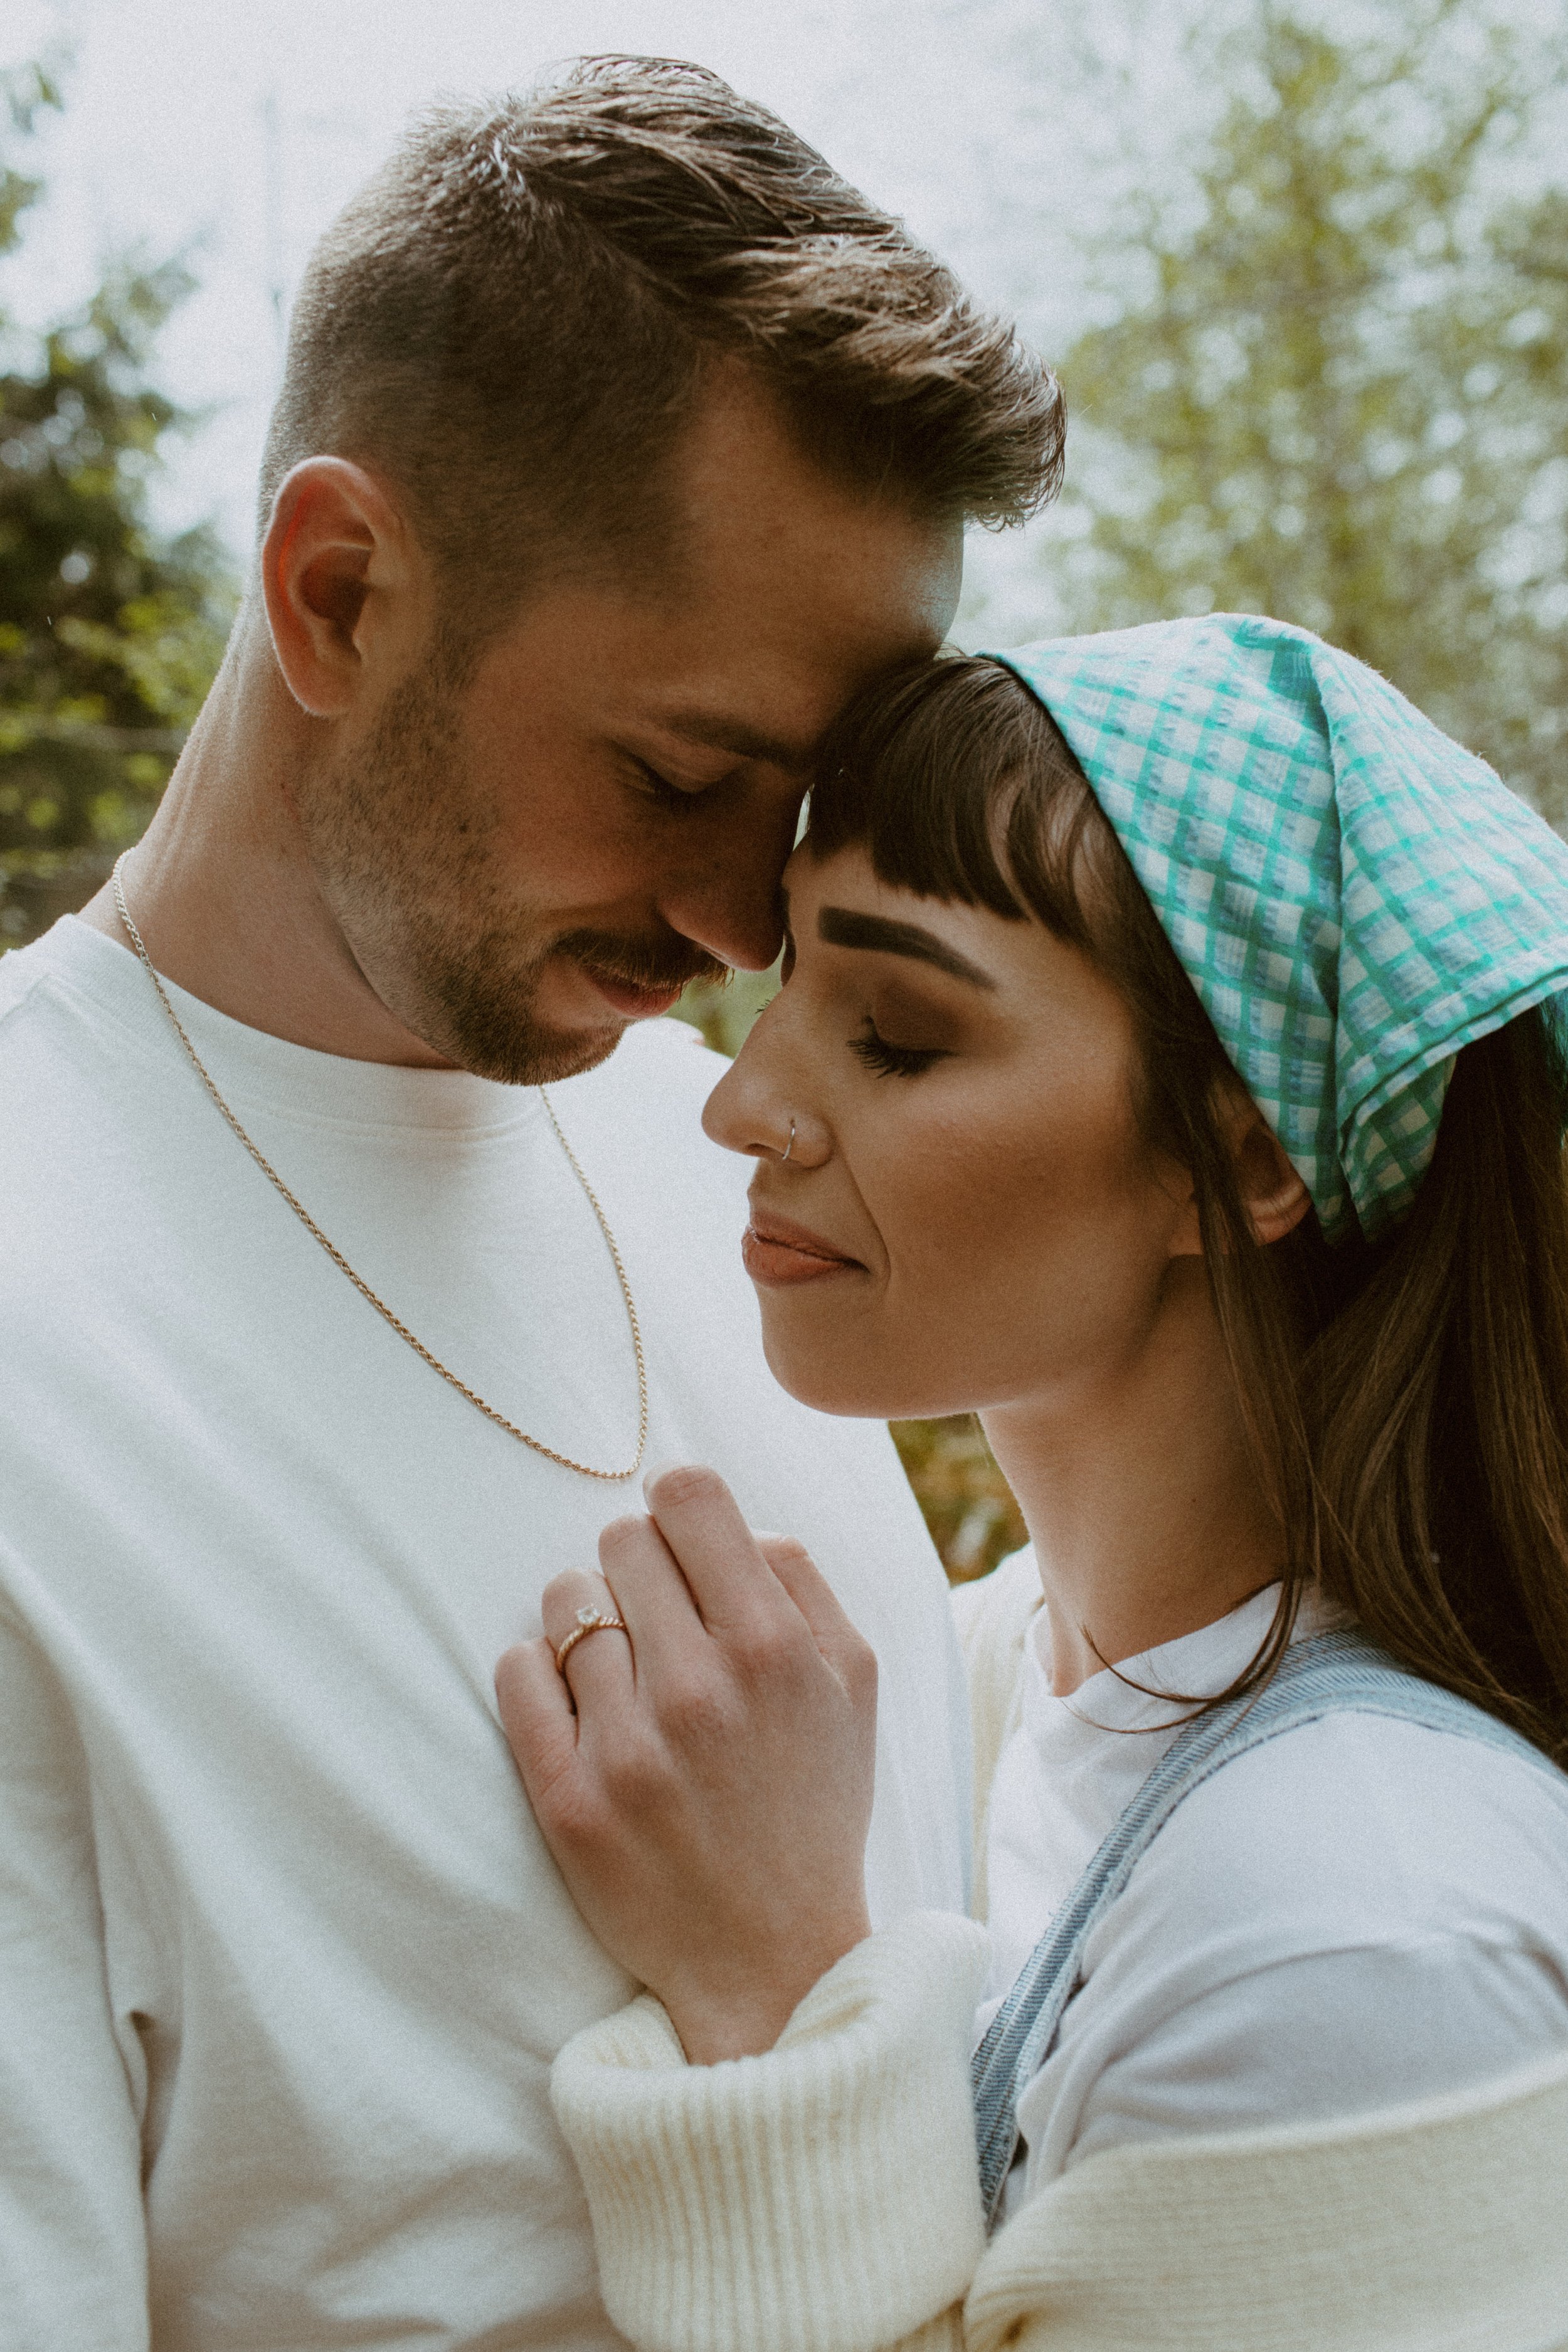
283, 1960
1279, 2116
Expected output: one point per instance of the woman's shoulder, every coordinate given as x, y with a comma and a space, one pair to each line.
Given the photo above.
1358, 1911
1374, 1829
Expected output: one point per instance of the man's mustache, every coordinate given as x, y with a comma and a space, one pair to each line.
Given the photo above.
659, 964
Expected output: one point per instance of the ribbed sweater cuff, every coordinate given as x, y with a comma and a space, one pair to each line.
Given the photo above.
822, 2198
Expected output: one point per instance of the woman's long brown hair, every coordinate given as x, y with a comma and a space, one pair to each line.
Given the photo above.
1406, 1400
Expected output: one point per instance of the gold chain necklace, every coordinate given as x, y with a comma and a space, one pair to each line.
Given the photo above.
537, 1444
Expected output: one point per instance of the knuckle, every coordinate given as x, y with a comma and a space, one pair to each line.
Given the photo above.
864, 1670
634, 1776
769, 1654
619, 1538
568, 1812
695, 1712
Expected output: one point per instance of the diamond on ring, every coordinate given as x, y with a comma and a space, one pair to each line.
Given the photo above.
589, 1621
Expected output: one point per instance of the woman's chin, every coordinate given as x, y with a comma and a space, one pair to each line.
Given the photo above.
823, 1378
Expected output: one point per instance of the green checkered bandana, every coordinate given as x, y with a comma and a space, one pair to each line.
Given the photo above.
1353, 897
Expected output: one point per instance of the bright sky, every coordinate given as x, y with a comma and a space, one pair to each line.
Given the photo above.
238, 129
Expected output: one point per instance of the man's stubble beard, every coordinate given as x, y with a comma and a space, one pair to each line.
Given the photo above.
404, 852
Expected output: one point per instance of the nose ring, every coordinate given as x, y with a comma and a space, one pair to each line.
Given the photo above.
789, 1147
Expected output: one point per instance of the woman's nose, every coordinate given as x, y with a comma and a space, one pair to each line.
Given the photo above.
754, 1110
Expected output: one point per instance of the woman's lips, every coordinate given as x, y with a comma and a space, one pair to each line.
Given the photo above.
777, 1253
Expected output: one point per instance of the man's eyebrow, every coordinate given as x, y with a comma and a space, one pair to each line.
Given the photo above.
747, 742
841, 928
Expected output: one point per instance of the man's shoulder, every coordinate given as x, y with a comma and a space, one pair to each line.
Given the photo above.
23, 970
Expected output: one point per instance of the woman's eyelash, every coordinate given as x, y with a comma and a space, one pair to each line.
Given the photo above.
893, 1061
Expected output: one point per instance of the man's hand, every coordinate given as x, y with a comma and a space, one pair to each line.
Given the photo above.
708, 1797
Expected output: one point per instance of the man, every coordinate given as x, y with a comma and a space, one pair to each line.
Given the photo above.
619, 443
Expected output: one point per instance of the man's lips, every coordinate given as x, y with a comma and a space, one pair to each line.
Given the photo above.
631, 1000
777, 1252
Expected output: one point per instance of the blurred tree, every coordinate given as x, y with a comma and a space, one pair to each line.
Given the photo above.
108, 636
968, 1505
1338, 397
725, 1010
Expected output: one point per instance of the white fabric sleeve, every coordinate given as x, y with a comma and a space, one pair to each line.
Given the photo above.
73, 2262
1440, 2223
1357, 1916
1328, 2037
821, 2198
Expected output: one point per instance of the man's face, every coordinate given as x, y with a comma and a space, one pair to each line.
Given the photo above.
525, 857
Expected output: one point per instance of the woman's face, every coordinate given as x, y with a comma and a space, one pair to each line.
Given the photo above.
968, 1216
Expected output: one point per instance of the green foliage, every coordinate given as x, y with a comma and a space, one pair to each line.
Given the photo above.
25, 93
1339, 395
725, 1010
108, 637
969, 1508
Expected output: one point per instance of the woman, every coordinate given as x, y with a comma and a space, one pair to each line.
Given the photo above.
1168, 1066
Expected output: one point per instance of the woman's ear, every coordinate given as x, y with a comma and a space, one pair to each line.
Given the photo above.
1275, 1198
1272, 1192
336, 565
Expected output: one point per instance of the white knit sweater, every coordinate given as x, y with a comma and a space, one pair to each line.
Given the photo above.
823, 2198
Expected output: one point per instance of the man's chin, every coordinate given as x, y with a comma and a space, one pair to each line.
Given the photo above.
503, 1037
528, 1027
536, 1057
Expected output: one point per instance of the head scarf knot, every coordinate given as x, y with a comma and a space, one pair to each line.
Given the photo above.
1353, 897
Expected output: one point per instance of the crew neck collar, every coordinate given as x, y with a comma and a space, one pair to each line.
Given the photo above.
1196, 1665
261, 1071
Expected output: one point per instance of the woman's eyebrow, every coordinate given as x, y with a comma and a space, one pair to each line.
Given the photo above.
841, 928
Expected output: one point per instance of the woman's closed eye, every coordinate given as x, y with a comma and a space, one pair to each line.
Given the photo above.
891, 1061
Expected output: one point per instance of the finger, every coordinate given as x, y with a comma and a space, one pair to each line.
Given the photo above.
837, 1635
605, 1676
564, 1595
537, 1718
700, 1521
655, 1598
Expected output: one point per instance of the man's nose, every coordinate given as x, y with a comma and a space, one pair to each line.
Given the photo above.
728, 901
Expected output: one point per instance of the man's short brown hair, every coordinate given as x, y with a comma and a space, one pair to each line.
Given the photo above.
511, 322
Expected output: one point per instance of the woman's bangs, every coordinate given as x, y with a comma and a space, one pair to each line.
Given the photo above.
945, 776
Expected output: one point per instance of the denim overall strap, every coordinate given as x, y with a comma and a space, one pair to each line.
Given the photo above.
1326, 1673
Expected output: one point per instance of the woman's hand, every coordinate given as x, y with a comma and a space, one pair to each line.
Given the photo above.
708, 1797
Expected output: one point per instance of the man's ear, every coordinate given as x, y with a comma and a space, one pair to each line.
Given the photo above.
1273, 1194
338, 564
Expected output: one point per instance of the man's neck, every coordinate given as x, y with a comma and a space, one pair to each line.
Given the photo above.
223, 895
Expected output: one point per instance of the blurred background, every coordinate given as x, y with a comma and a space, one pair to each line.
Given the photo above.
1304, 269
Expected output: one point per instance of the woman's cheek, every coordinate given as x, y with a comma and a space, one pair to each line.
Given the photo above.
938, 1185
